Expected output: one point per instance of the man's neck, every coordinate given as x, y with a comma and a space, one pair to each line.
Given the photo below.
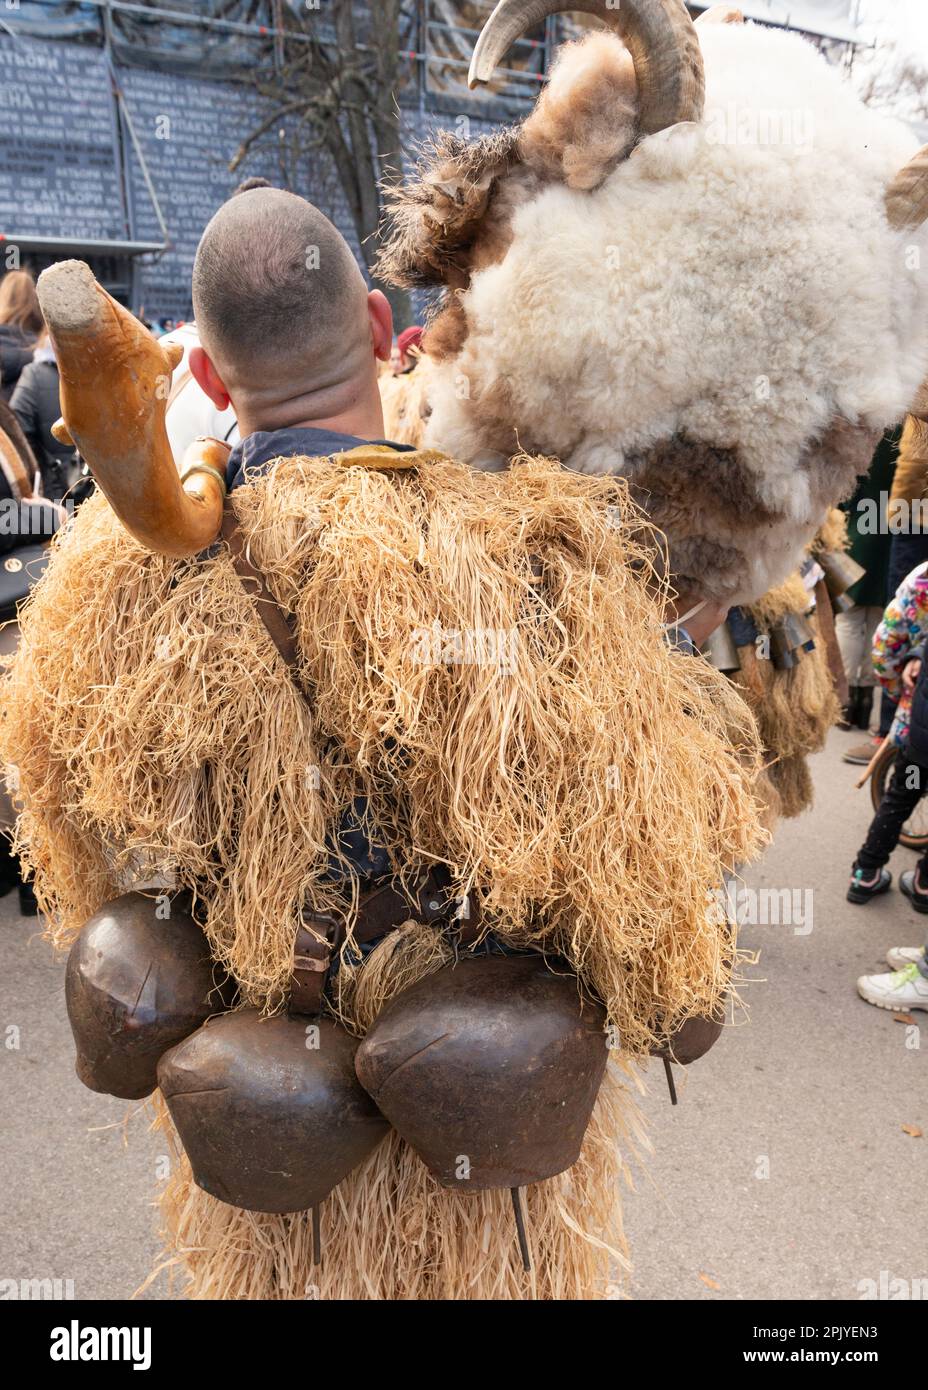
355, 425
362, 418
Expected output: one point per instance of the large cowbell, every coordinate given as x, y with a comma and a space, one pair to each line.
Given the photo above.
269, 1110
137, 982
490, 1069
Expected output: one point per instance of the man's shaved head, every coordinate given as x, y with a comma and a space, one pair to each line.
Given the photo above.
278, 295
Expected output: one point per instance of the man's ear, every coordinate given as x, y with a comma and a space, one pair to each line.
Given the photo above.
207, 378
381, 317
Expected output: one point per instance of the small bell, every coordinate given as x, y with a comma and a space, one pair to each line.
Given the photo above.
842, 572
799, 632
136, 984
720, 651
790, 638
781, 651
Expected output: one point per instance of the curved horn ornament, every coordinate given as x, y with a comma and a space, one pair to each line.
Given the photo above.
115, 382
659, 35
907, 195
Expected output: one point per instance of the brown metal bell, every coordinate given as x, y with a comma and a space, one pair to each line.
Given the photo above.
781, 653
800, 634
489, 1069
137, 982
269, 1110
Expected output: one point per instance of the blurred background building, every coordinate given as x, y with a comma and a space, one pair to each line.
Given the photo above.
121, 118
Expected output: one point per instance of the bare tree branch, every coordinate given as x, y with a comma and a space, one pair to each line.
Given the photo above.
339, 83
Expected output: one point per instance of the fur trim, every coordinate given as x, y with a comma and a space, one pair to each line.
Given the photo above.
586, 119
435, 216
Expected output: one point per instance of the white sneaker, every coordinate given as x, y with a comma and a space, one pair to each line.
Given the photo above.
901, 956
903, 990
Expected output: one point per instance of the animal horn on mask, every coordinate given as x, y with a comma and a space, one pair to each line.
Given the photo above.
115, 383
659, 35
907, 195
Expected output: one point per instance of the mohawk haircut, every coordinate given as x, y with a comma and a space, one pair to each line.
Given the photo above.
248, 185
272, 279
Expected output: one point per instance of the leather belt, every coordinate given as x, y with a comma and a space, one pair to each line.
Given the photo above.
381, 910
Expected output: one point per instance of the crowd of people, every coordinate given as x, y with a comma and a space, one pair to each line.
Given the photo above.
29, 383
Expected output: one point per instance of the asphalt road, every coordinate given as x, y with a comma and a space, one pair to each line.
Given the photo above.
783, 1173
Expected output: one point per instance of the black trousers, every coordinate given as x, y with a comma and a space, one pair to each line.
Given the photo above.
907, 786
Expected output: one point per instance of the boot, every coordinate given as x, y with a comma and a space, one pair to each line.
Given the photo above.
9, 867
864, 707
28, 907
849, 716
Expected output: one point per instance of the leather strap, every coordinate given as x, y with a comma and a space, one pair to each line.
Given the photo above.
380, 911
277, 622
384, 907
314, 945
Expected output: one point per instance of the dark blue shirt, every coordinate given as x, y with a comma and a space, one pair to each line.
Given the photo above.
254, 455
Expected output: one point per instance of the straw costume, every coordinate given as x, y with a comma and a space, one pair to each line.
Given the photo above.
469, 672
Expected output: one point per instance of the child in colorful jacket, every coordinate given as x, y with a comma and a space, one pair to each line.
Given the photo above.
899, 660
902, 632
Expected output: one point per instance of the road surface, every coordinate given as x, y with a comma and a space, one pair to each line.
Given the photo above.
784, 1172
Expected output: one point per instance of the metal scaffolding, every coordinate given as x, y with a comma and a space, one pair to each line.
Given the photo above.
437, 37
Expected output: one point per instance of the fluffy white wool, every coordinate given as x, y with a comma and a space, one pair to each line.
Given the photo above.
736, 281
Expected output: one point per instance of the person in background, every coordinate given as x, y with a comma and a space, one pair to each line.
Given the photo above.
870, 547
20, 325
36, 404
899, 653
908, 522
28, 523
403, 359
191, 414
